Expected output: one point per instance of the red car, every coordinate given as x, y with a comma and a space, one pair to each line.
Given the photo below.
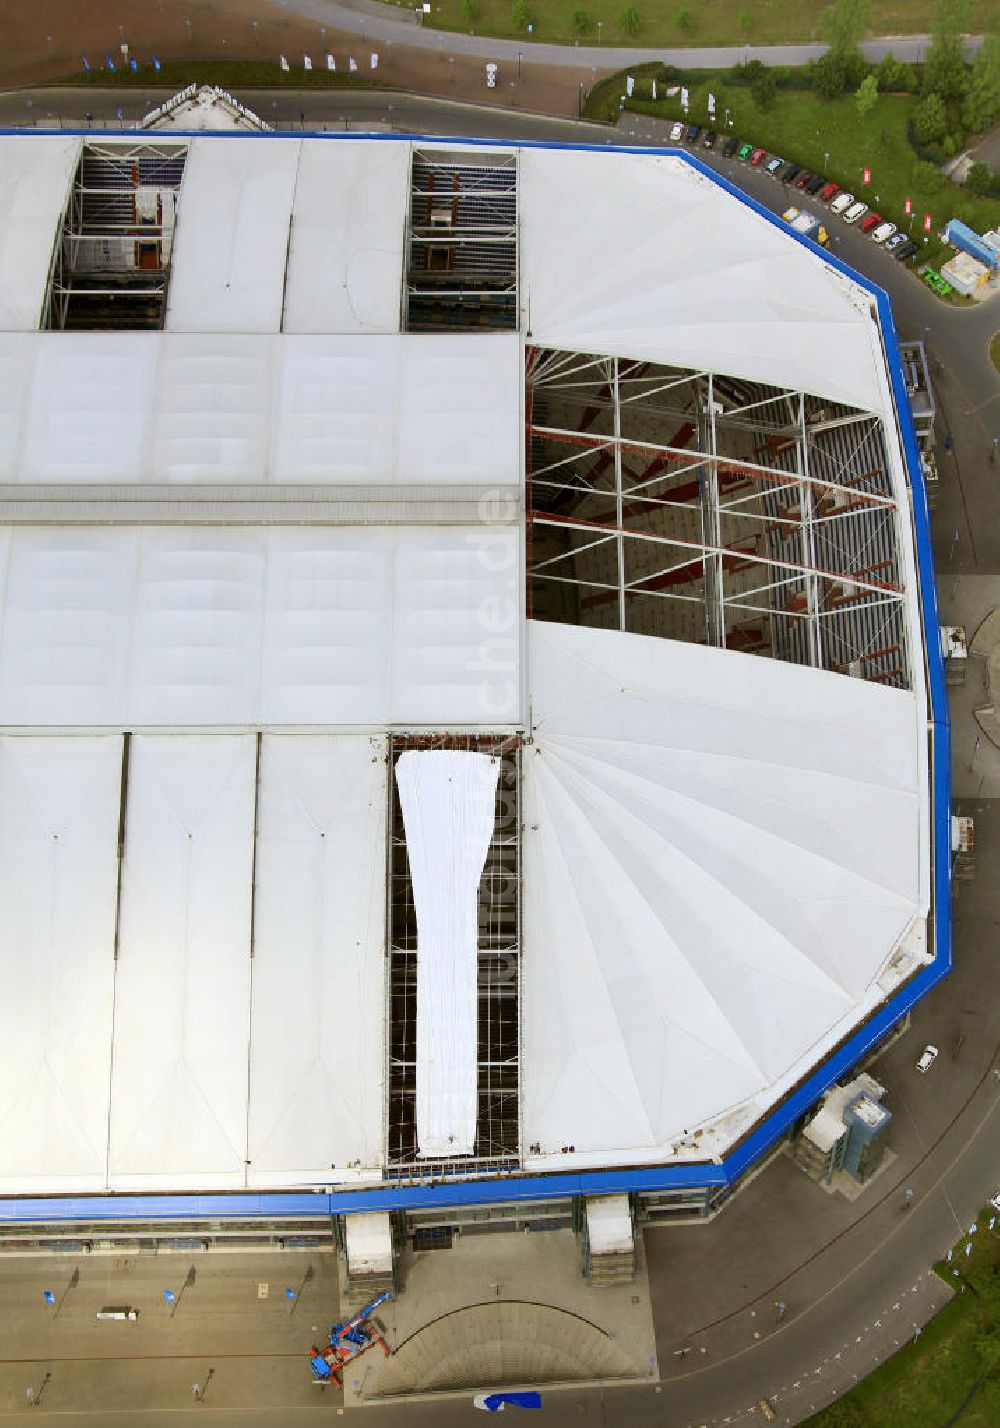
831, 191
874, 220
803, 179
757, 157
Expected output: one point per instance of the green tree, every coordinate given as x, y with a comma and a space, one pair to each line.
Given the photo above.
582, 23
685, 21
944, 66
829, 75
844, 25
522, 15
866, 96
745, 20
470, 10
895, 77
628, 20
979, 180
764, 86
930, 119
982, 99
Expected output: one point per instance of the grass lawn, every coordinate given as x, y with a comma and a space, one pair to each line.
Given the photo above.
829, 135
928, 1380
228, 74
709, 22
995, 351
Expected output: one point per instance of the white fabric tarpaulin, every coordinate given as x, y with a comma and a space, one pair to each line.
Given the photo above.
670, 268
245, 626
182, 1005
318, 972
59, 802
33, 194
721, 854
170, 407
448, 800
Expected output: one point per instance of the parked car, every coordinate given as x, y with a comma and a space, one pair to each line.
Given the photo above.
896, 241
830, 192
692, 134
815, 184
729, 147
757, 157
841, 202
883, 232
709, 139
789, 173
927, 1059
872, 221
491, 76
773, 165
856, 211
745, 151
803, 178
902, 255
677, 133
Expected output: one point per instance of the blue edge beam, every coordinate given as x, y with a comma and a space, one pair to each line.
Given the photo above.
276, 1205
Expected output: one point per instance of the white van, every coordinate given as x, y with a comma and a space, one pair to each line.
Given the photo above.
842, 201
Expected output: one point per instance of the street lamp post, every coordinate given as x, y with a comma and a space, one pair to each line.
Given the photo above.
826, 160
600, 25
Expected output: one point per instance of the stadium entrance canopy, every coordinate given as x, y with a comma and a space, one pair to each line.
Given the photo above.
464, 692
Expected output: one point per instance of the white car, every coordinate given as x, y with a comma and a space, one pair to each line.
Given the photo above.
856, 211
677, 133
927, 1059
842, 201
995, 1202
491, 76
884, 231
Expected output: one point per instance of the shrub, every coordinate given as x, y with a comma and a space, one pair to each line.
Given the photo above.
582, 23
522, 15
470, 10
685, 21
867, 95
628, 20
979, 180
829, 75
930, 119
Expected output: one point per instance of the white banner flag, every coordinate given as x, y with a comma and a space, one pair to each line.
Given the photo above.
684, 99
374, 61
352, 65
331, 63
284, 63
629, 85
654, 88
307, 62
711, 104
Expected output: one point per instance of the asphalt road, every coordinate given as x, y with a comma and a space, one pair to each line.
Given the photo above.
854, 1277
377, 22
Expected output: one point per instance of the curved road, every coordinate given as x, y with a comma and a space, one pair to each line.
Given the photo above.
386, 23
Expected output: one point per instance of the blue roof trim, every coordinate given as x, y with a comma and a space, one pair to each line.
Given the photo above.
282, 1205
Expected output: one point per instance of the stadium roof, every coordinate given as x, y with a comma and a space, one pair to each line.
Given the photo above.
248, 553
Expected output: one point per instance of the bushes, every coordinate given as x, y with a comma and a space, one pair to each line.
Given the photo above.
930, 119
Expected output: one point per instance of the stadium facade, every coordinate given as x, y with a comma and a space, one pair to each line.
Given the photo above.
473, 724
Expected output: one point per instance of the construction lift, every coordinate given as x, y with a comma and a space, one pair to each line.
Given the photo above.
347, 1342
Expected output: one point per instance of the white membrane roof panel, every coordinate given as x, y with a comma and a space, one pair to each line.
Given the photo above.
231, 241
667, 266
178, 407
721, 854
36, 182
318, 973
345, 254
182, 1008
59, 804
238, 625
447, 798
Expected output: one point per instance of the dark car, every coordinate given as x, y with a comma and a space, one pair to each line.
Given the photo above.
729, 147
709, 139
693, 131
907, 251
815, 184
830, 192
803, 178
789, 173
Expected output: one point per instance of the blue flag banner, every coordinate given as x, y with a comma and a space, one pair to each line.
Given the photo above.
170, 1296
156, 64
133, 65
86, 63
110, 63
48, 1296
497, 1402
289, 1293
